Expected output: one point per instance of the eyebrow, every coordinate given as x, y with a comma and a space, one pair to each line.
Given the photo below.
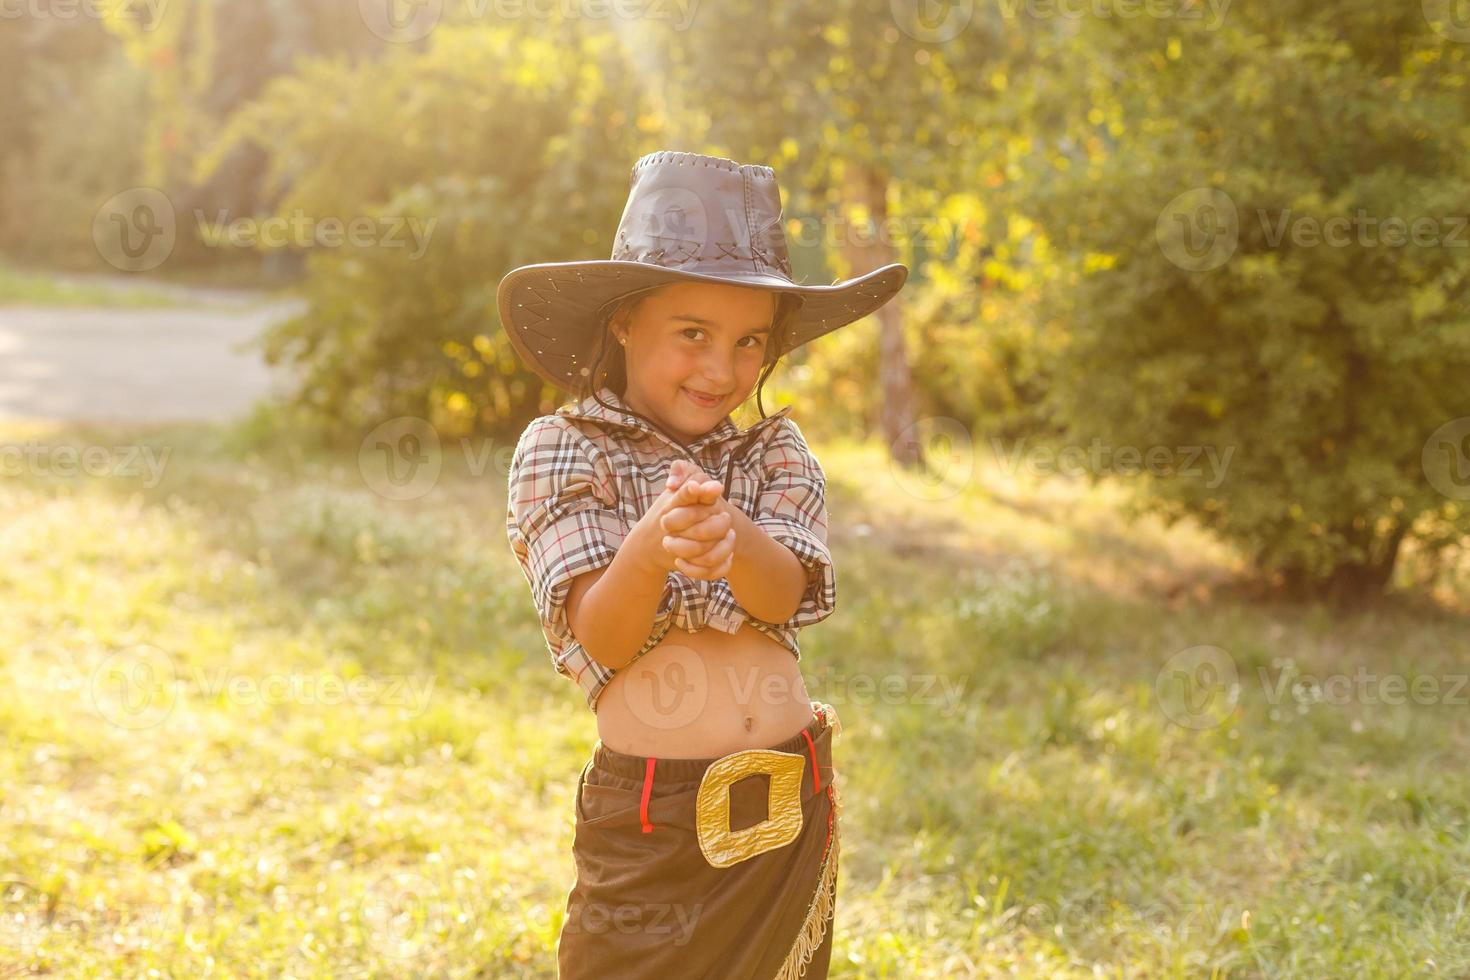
691, 318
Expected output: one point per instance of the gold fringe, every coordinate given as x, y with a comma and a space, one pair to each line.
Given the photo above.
814, 928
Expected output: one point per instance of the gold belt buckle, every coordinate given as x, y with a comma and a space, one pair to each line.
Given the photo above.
722, 846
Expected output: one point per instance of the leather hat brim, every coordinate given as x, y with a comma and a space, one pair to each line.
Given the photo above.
550, 310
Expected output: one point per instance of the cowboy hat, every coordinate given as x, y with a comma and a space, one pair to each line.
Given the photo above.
688, 218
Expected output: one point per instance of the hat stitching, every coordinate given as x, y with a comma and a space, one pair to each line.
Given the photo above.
682, 158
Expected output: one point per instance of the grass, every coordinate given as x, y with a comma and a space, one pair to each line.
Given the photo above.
23, 288
190, 791
20, 286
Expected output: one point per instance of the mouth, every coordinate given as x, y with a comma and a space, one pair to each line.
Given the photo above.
701, 399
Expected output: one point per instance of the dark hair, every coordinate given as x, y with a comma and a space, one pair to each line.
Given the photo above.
615, 375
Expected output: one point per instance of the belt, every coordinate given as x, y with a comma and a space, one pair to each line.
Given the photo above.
791, 766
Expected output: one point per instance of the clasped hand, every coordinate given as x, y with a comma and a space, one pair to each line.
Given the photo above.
698, 526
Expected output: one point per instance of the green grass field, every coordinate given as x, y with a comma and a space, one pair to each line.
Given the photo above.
261, 721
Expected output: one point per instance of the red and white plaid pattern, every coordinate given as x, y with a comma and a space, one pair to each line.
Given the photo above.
581, 478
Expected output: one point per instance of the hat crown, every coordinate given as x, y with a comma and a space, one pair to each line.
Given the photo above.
703, 214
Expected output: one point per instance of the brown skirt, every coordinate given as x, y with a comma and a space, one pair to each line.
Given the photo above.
706, 868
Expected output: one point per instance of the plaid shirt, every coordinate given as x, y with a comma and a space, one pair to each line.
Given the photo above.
581, 478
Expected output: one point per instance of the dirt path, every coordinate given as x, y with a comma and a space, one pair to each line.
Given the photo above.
99, 364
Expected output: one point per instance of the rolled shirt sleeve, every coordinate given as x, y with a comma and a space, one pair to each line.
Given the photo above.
792, 509
562, 518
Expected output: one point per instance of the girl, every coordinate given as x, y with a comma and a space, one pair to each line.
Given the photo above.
706, 835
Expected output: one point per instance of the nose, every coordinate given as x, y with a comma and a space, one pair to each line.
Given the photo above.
719, 372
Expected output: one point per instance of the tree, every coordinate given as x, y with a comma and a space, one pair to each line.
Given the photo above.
1223, 204
871, 100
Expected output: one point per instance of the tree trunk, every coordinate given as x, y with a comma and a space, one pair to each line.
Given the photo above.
866, 250
1349, 584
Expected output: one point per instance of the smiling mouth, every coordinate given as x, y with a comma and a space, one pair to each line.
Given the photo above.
704, 401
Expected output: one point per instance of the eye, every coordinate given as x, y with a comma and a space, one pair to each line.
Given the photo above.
760, 339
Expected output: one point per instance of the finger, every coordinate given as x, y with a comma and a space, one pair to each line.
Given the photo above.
699, 551
688, 548
704, 554
678, 519
697, 570
689, 493
710, 528
708, 491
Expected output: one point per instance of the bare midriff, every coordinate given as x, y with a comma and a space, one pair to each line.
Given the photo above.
704, 695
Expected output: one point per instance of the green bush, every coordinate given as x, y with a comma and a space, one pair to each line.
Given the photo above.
1323, 369
487, 150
